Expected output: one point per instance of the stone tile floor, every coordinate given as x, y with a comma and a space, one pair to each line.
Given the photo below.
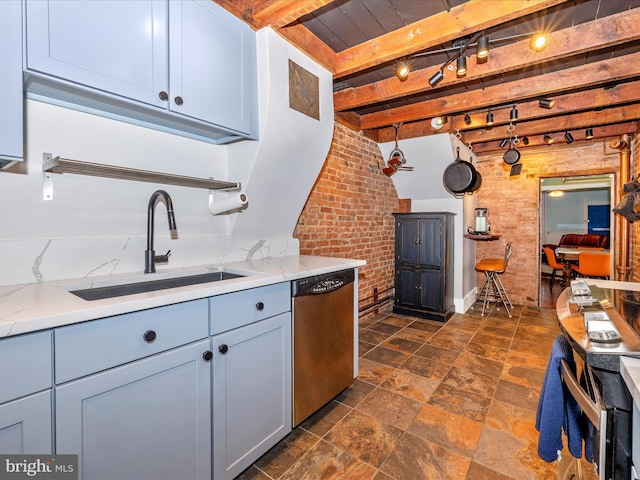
432, 401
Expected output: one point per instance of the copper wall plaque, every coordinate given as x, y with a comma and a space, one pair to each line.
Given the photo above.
304, 91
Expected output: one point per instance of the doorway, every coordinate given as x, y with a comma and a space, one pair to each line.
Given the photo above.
571, 204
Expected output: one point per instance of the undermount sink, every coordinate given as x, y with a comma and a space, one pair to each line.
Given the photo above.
95, 291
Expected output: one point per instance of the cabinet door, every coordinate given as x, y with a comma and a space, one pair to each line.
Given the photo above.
407, 287
147, 420
11, 138
113, 46
212, 64
251, 393
408, 240
430, 289
25, 425
430, 251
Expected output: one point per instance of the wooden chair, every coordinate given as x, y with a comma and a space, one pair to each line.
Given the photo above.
553, 263
591, 264
493, 290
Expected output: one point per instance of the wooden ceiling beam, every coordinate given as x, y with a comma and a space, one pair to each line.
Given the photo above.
598, 34
572, 102
576, 121
582, 77
470, 17
278, 13
605, 131
299, 36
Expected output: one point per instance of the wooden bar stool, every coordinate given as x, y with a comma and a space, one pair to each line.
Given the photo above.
492, 289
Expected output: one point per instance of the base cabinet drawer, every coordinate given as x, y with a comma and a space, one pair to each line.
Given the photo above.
147, 420
25, 425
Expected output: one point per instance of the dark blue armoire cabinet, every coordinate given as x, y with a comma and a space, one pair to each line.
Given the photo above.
424, 265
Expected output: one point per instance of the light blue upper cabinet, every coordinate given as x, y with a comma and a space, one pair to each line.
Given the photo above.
183, 66
11, 113
212, 61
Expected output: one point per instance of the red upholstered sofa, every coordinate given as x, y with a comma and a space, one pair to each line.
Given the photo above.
591, 240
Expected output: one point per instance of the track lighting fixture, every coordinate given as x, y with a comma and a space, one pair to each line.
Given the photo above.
568, 137
538, 42
467, 119
461, 66
482, 50
588, 134
548, 139
436, 78
489, 118
402, 70
438, 122
546, 103
514, 114
525, 140
504, 142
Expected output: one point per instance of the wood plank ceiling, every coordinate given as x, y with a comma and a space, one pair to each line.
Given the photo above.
590, 68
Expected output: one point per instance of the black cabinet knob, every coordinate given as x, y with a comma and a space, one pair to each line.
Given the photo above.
149, 336
163, 96
178, 101
223, 349
207, 356
259, 306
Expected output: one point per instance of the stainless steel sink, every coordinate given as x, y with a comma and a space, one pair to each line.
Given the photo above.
122, 289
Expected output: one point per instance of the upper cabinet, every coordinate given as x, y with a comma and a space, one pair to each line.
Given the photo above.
11, 113
185, 66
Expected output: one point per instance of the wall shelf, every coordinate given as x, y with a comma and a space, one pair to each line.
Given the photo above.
65, 165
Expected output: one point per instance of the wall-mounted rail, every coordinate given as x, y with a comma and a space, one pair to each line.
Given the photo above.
64, 165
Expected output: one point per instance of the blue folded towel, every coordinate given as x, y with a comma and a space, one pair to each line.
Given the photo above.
557, 409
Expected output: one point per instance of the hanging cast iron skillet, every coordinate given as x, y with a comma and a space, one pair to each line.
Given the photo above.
511, 156
461, 176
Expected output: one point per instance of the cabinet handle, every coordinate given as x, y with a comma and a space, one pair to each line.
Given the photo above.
163, 96
207, 356
223, 349
259, 306
178, 101
149, 336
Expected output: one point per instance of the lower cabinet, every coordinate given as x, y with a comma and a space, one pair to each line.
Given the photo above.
251, 393
25, 425
147, 420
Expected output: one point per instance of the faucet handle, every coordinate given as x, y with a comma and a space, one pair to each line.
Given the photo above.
163, 258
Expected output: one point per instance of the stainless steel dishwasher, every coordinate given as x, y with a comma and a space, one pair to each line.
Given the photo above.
323, 340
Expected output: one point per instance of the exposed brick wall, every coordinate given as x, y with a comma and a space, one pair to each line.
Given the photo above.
514, 204
349, 211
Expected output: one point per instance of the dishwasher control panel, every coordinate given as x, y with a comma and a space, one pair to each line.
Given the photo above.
320, 284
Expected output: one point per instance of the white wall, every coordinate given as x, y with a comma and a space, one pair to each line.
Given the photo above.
97, 226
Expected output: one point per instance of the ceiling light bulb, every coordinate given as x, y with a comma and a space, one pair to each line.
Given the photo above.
504, 142
548, 139
461, 66
483, 47
568, 137
538, 42
438, 122
588, 134
546, 103
436, 78
402, 71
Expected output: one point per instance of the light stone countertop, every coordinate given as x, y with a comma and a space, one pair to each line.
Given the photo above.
630, 371
38, 306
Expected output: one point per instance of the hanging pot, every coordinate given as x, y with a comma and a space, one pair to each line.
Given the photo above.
461, 176
511, 156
